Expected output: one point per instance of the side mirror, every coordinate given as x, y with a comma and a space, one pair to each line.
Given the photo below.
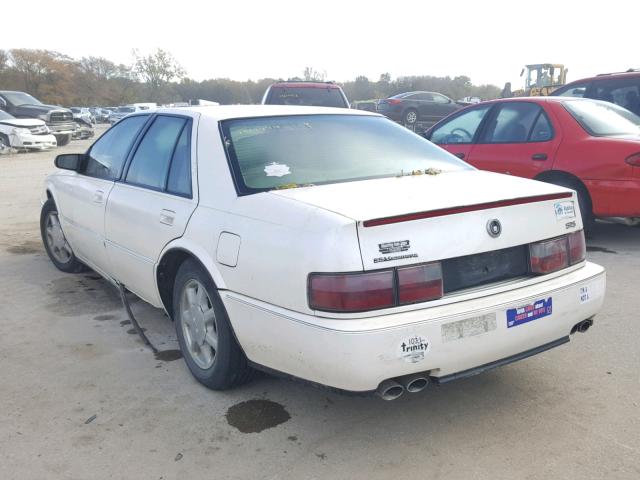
69, 161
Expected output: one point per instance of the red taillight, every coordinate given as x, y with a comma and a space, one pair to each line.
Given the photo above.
394, 101
549, 256
420, 283
352, 292
577, 247
633, 160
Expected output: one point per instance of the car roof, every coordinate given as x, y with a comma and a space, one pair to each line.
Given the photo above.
225, 112
607, 76
301, 84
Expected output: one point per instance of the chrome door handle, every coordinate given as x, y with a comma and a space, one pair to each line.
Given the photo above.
98, 196
167, 217
539, 156
459, 155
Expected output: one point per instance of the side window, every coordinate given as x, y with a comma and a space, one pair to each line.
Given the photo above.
108, 154
179, 181
150, 163
460, 129
512, 124
542, 130
623, 92
440, 98
577, 90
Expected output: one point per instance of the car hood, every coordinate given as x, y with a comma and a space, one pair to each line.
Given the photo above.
388, 197
35, 110
23, 122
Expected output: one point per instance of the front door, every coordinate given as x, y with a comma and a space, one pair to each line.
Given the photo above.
83, 196
457, 134
152, 205
518, 139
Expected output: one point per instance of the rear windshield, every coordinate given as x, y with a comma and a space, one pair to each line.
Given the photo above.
267, 153
312, 96
604, 119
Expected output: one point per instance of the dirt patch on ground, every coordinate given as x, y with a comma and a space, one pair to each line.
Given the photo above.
26, 248
254, 416
82, 294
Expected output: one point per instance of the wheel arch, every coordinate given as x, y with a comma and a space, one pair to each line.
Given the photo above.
174, 255
553, 176
549, 176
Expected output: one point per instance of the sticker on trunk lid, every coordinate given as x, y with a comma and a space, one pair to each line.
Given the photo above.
413, 349
564, 210
527, 313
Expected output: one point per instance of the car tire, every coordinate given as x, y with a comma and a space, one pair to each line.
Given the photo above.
204, 332
63, 140
410, 116
55, 243
584, 201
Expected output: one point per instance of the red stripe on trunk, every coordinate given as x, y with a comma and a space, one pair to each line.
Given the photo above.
464, 209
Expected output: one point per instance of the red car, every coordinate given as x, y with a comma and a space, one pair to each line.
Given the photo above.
590, 146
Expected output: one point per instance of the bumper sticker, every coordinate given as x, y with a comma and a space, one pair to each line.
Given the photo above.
527, 313
413, 349
584, 294
564, 210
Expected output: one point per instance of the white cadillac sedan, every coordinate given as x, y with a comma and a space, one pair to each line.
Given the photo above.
329, 245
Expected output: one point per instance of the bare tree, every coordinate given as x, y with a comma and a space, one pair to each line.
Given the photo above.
157, 68
312, 75
4, 59
100, 67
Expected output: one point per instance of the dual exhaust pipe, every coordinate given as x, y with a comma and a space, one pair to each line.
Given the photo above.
582, 326
394, 388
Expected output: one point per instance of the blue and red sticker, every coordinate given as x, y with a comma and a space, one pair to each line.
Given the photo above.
527, 313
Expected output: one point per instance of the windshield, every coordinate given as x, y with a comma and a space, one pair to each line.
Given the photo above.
75, 110
5, 116
603, 119
282, 152
312, 96
20, 98
125, 109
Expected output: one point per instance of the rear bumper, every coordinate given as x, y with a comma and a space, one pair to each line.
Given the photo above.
358, 354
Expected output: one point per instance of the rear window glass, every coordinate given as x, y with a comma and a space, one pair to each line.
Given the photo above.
603, 118
282, 152
310, 96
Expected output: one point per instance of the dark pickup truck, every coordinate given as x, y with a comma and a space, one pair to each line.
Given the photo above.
22, 105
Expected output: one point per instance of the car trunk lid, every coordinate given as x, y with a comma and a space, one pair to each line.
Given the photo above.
415, 219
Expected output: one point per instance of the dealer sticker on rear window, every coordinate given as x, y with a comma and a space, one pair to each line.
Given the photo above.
564, 210
527, 313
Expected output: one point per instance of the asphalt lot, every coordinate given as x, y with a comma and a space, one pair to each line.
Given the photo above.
80, 398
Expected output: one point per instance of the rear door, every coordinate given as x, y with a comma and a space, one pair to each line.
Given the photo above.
82, 197
517, 139
153, 203
457, 134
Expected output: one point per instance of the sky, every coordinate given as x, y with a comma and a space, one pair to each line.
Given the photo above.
488, 41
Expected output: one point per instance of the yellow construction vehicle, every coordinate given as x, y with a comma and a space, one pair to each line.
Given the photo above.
541, 79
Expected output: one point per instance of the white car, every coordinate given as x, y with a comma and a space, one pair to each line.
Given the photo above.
331, 245
25, 133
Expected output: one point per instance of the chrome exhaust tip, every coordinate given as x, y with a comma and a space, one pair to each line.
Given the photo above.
389, 390
414, 383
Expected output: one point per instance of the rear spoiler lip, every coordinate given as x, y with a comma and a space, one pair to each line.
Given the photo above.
407, 217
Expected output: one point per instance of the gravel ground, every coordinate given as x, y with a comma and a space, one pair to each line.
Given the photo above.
81, 398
